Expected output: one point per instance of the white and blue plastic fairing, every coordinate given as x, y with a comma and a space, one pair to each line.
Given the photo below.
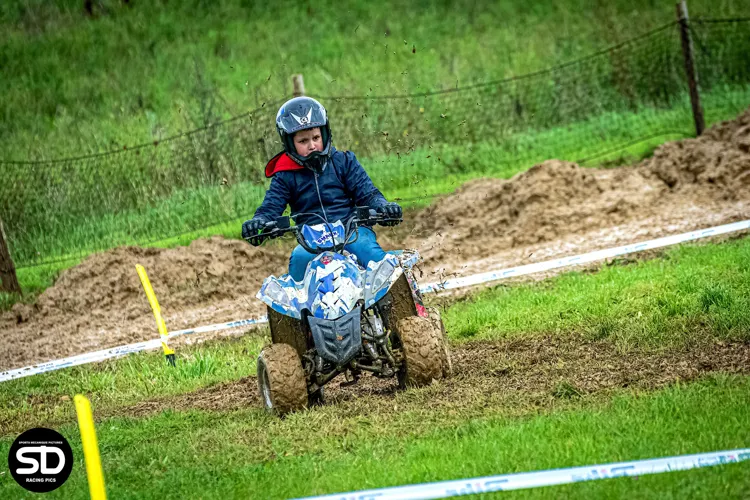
333, 282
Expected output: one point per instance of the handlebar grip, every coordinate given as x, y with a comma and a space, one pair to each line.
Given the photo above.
268, 233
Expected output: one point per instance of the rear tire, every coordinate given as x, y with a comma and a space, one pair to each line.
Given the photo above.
281, 380
445, 356
421, 349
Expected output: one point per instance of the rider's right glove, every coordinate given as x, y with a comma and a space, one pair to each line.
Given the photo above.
252, 227
391, 210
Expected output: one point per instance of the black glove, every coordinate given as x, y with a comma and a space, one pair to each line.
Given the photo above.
392, 211
252, 227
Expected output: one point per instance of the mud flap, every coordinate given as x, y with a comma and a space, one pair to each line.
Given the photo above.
286, 330
402, 302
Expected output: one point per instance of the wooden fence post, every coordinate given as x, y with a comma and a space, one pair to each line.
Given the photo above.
299, 85
692, 74
8, 278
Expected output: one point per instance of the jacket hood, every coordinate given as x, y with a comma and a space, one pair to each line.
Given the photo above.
281, 162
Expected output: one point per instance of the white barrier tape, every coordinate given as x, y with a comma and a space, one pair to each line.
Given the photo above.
116, 352
585, 258
220, 326
431, 287
80, 359
447, 489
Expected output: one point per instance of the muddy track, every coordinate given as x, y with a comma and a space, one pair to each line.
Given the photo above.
511, 377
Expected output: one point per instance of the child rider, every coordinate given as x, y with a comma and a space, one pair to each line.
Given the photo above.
318, 183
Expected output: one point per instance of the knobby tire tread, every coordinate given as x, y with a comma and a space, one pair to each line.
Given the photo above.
421, 352
286, 378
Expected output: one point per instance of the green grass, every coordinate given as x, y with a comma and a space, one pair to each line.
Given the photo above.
691, 294
694, 294
248, 454
415, 178
133, 379
616, 109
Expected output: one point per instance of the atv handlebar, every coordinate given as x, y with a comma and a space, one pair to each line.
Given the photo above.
363, 216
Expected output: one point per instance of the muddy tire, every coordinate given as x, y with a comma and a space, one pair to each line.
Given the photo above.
281, 379
433, 313
421, 350
286, 330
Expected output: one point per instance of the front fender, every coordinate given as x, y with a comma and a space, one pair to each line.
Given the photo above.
281, 295
379, 278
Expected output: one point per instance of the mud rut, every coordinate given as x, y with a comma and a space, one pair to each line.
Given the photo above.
512, 377
554, 209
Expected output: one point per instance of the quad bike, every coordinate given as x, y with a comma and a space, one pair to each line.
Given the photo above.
345, 319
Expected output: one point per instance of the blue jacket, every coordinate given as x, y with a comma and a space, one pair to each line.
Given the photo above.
333, 193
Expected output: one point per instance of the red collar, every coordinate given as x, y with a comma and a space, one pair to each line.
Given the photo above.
281, 162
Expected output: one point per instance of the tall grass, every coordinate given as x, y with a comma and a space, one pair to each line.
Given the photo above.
136, 72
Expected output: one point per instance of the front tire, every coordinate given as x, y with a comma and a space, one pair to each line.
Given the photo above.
281, 380
421, 349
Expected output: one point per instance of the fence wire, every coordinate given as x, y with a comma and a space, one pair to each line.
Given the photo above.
625, 98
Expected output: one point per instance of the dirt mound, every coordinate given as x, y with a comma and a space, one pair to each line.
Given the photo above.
551, 198
557, 198
101, 303
717, 163
206, 270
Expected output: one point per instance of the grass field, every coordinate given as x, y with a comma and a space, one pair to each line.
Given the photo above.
138, 72
639, 359
634, 361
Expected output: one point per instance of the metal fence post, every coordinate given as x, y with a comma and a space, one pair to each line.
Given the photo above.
692, 75
8, 278
299, 85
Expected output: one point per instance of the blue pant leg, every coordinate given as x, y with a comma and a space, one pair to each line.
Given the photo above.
298, 262
366, 248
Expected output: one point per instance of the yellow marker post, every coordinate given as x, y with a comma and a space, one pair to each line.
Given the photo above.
160, 325
90, 448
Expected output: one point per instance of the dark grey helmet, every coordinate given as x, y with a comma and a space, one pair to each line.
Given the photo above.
302, 113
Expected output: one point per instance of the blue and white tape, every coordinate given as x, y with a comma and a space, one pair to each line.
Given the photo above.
220, 326
475, 279
506, 482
